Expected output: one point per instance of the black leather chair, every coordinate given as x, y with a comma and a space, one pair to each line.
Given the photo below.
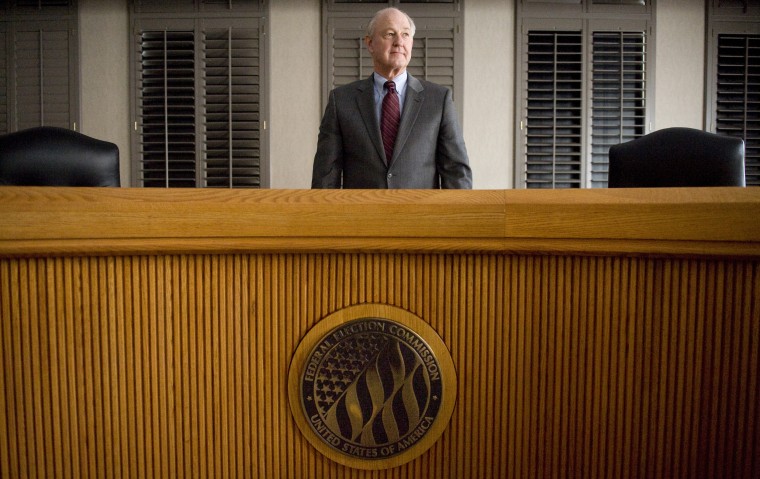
677, 156
51, 156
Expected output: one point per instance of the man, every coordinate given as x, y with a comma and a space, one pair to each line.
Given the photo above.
400, 135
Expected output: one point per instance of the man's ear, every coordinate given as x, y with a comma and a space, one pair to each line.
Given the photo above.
368, 42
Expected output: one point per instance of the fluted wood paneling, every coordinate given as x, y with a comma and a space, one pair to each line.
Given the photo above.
568, 365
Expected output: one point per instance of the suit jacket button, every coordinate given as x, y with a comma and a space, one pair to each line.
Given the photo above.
390, 175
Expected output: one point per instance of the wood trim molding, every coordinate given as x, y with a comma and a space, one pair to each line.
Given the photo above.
689, 221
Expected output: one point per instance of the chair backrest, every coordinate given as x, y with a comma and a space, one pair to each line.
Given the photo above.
677, 156
51, 156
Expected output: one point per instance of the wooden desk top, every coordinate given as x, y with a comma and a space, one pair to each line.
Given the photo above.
106, 221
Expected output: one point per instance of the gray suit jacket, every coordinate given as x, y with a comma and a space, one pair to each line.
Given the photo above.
429, 150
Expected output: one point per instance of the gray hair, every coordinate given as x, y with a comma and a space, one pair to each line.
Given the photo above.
380, 13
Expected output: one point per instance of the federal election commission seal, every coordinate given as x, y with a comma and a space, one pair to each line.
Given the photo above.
372, 386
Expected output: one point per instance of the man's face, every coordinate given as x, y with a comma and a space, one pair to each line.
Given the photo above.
391, 44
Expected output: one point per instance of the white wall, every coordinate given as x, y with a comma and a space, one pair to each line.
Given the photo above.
295, 90
680, 64
489, 91
104, 62
295, 81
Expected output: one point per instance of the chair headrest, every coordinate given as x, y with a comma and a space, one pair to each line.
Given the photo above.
677, 156
52, 156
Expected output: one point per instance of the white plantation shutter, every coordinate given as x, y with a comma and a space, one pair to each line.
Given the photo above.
198, 95
185, 6
735, 7
553, 109
230, 5
166, 108
584, 84
42, 76
567, 8
4, 85
733, 72
433, 55
40, 6
348, 57
163, 6
231, 147
618, 95
556, 111
737, 110
39, 81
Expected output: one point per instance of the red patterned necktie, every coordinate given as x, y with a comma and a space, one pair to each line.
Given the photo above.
389, 119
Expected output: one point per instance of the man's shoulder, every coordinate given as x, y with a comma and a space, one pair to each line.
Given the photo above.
428, 87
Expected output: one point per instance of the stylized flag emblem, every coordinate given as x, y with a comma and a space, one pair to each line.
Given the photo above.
371, 388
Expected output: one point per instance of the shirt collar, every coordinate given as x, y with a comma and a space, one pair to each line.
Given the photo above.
400, 81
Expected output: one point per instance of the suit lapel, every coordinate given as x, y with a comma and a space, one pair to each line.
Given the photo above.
412, 105
365, 102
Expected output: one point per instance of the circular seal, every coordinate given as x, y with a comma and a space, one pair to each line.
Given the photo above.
372, 386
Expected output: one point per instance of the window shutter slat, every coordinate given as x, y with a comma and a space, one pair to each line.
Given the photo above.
553, 139
167, 108
738, 96
200, 92
735, 7
618, 103
42, 77
349, 57
231, 150
41, 3
42, 6
4, 107
433, 57
185, 6
160, 6
230, 5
